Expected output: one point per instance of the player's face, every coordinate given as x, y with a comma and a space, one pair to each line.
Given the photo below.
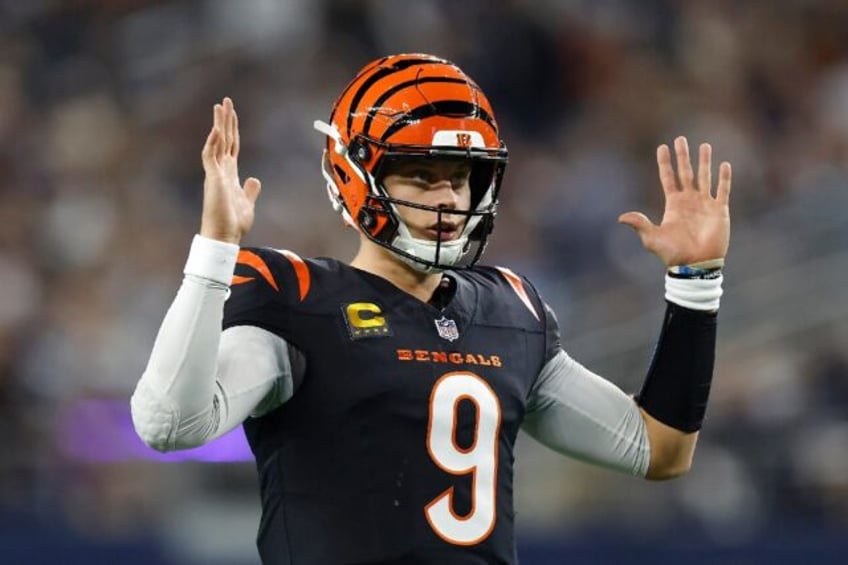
440, 183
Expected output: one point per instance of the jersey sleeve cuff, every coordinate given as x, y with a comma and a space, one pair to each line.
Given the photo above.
211, 259
695, 294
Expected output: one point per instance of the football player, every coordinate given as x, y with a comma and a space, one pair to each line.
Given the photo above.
382, 397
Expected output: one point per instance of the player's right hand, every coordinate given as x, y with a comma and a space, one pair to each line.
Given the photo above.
228, 207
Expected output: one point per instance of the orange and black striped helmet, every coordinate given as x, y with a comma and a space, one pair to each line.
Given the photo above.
412, 105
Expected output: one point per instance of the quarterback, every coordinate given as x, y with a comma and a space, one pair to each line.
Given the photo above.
382, 397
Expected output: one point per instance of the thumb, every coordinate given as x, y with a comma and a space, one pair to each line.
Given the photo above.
638, 221
252, 188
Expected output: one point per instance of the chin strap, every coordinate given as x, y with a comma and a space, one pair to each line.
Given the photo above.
450, 252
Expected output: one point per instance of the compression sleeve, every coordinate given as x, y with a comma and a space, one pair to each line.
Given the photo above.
578, 413
201, 383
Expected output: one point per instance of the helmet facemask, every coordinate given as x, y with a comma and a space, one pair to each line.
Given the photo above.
436, 254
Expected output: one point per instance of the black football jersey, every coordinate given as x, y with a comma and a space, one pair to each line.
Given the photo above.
397, 446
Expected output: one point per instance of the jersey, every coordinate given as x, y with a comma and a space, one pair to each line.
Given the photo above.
397, 445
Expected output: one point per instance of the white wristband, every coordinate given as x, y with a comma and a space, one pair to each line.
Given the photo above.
695, 294
212, 259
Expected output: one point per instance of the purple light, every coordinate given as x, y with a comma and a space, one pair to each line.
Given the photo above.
101, 430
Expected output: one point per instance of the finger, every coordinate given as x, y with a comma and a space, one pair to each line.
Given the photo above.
725, 175
684, 164
252, 188
216, 116
207, 155
236, 136
638, 221
218, 126
705, 156
666, 171
228, 125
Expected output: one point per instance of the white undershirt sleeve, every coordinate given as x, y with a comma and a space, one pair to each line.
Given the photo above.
577, 413
200, 382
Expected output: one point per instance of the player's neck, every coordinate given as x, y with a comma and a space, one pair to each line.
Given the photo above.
382, 263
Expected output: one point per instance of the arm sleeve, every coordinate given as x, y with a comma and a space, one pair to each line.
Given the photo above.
201, 383
577, 413
677, 387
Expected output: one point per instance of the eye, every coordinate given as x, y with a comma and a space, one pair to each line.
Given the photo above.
460, 176
423, 176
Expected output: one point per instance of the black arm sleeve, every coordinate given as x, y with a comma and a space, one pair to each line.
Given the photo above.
677, 386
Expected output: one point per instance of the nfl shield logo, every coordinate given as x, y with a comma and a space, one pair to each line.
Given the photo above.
447, 329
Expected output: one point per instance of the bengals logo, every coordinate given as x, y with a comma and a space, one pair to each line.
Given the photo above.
463, 140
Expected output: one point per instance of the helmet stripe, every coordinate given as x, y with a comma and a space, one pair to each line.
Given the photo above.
395, 89
380, 73
361, 72
440, 108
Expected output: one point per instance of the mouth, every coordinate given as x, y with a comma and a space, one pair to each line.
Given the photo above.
444, 231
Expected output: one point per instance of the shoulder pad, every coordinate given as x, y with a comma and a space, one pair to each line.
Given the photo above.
517, 284
279, 270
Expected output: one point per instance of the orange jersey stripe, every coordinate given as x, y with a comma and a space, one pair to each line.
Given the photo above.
516, 284
238, 279
256, 262
304, 280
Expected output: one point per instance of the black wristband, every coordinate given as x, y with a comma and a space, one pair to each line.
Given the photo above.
677, 387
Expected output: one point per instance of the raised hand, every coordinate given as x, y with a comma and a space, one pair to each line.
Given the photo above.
227, 206
696, 225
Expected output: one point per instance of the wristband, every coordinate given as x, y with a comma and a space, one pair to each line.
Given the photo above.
704, 270
695, 294
696, 286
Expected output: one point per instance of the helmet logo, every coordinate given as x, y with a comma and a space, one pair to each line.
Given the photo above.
459, 138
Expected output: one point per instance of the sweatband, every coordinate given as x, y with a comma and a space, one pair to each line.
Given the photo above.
694, 293
677, 386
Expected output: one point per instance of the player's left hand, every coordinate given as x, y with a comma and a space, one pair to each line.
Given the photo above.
696, 225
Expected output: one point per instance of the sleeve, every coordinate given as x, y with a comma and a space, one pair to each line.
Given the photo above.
677, 387
577, 413
199, 382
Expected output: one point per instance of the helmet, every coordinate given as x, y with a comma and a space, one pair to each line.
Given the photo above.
412, 105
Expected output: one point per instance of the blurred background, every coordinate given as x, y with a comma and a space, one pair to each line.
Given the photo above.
104, 106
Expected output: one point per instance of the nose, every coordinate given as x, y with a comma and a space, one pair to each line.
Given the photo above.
446, 207
446, 197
